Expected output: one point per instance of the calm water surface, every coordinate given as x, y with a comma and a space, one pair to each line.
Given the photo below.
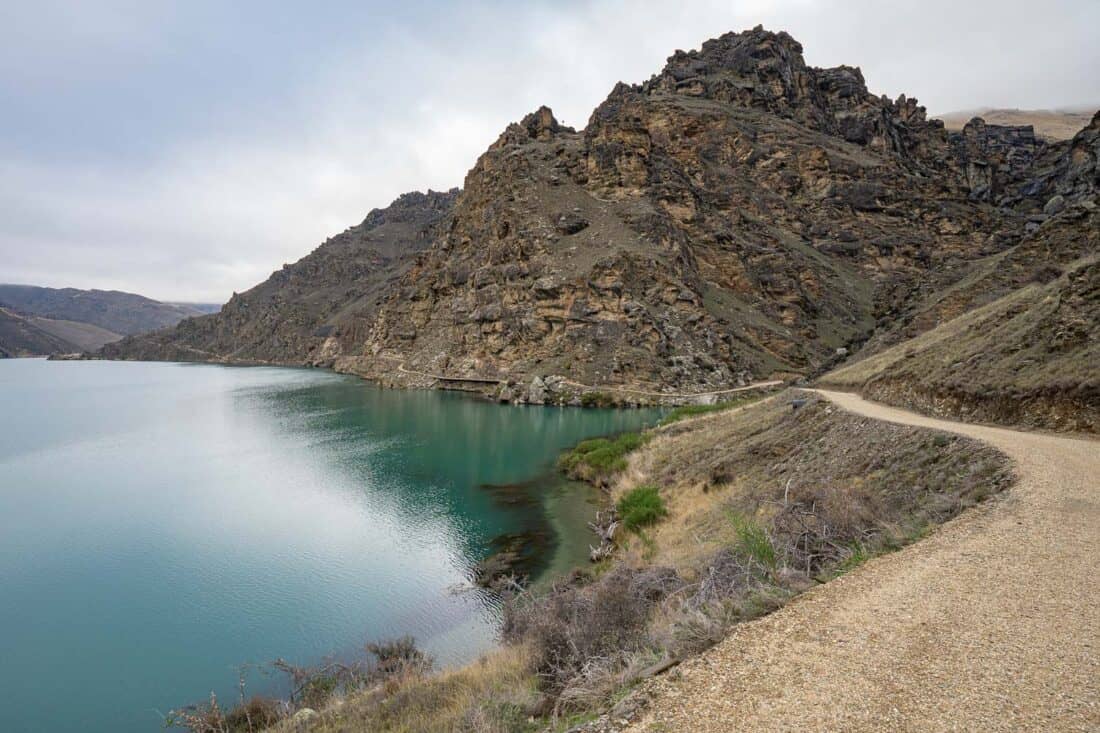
161, 524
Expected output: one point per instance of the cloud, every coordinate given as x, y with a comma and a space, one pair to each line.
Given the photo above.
185, 151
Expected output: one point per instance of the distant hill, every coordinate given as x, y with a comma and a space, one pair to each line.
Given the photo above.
205, 308
21, 337
82, 336
39, 320
1052, 124
123, 313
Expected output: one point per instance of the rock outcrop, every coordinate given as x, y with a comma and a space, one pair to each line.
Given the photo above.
993, 157
738, 215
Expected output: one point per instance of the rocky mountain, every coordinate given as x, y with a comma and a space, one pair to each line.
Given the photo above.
737, 216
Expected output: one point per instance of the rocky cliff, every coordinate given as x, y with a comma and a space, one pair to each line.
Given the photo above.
738, 215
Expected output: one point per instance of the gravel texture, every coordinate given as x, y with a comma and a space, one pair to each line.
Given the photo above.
992, 623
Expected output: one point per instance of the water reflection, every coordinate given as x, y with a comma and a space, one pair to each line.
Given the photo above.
161, 524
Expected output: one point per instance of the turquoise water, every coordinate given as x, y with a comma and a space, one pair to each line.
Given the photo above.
161, 524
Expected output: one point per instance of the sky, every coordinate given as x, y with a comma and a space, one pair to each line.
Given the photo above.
185, 150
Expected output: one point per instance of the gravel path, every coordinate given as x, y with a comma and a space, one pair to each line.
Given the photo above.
992, 623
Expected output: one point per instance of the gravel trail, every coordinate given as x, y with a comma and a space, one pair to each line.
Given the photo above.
992, 623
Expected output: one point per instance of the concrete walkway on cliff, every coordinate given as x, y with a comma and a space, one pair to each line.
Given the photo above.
992, 623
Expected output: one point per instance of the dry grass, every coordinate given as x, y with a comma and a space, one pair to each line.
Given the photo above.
866, 482
496, 694
761, 504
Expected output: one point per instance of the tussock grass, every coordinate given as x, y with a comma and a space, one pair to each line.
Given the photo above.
496, 694
753, 542
640, 507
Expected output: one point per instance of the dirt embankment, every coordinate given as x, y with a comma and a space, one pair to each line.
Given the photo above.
988, 624
1026, 359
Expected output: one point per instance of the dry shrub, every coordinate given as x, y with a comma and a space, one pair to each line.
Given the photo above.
251, 716
821, 525
580, 634
726, 575
311, 687
257, 713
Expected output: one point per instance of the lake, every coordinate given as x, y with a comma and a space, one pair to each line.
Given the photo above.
163, 524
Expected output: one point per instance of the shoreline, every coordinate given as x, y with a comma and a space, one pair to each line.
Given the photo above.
755, 558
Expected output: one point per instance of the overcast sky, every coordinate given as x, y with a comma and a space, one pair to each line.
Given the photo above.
185, 150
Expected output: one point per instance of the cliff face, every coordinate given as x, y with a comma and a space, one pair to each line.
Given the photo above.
739, 215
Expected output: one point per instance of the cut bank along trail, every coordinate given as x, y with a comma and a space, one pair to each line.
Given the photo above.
992, 623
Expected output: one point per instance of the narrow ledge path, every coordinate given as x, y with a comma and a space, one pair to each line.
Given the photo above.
402, 369
992, 623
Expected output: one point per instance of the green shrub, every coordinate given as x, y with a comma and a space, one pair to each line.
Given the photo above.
685, 411
754, 543
599, 458
641, 506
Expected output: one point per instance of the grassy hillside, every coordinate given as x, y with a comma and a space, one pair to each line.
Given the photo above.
82, 336
1028, 358
21, 337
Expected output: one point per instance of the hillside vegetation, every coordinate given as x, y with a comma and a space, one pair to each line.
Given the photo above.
21, 337
112, 310
1028, 358
43, 321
